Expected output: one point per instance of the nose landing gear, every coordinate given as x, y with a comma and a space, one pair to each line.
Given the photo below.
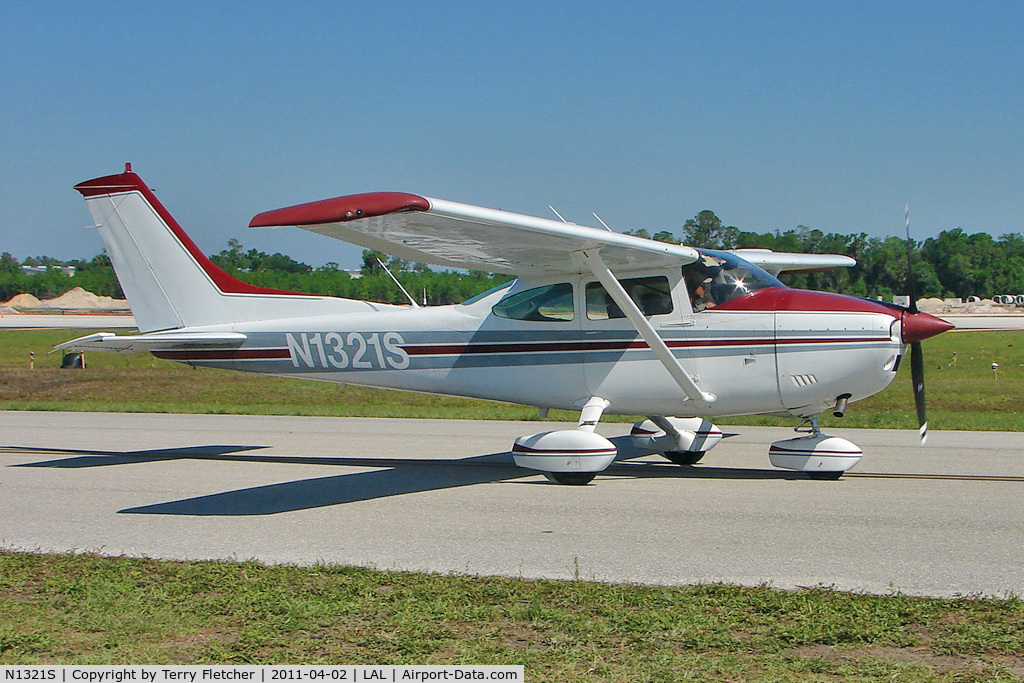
684, 441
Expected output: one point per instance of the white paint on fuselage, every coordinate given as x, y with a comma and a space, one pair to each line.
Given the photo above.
747, 358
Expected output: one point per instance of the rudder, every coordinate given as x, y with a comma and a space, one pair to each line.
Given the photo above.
168, 281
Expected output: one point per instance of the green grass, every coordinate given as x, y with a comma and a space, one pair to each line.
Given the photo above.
964, 395
92, 610
89, 610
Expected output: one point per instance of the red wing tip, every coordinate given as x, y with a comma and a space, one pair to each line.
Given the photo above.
341, 209
110, 184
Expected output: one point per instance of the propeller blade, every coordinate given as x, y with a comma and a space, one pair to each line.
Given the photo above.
917, 377
916, 352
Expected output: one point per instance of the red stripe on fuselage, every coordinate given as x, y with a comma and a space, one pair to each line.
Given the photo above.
234, 354
511, 348
573, 346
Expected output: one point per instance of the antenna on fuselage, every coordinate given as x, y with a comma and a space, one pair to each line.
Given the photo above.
404, 291
555, 211
602, 222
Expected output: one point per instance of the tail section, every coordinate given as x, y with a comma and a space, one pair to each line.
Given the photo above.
169, 282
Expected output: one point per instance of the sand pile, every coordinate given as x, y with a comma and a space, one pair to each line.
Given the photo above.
983, 306
23, 301
77, 299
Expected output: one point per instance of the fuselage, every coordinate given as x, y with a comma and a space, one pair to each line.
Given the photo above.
771, 350
598, 322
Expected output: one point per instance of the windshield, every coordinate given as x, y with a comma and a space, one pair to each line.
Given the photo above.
718, 277
492, 290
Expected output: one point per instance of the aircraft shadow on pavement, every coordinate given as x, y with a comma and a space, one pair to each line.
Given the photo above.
403, 476
93, 458
390, 477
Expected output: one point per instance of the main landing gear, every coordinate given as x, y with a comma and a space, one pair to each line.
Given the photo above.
684, 458
570, 478
818, 455
573, 457
684, 441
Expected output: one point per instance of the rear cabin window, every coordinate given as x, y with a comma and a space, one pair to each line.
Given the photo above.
550, 303
651, 295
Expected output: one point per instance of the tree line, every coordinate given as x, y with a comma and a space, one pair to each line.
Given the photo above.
952, 264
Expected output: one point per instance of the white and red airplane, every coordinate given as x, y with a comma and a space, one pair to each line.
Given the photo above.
597, 322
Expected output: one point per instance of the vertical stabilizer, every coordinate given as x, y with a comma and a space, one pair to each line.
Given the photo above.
169, 282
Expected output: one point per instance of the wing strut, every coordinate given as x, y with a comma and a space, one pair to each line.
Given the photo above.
592, 258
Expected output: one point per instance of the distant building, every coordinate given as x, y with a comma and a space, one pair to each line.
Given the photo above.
35, 270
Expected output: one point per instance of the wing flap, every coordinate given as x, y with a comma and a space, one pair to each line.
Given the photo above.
156, 341
465, 236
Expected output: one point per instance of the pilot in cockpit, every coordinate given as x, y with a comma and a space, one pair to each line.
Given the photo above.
700, 279
701, 296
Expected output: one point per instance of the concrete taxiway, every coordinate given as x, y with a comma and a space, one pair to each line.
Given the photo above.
443, 496
68, 321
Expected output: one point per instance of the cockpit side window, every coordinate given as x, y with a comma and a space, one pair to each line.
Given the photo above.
550, 303
718, 277
651, 294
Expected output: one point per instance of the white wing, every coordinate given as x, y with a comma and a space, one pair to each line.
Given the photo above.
457, 235
776, 262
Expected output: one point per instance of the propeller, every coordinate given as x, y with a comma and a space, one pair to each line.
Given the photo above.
917, 327
916, 352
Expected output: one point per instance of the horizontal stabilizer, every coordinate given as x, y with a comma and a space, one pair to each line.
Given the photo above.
776, 262
157, 341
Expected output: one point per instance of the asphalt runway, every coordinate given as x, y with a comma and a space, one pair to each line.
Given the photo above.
443, 496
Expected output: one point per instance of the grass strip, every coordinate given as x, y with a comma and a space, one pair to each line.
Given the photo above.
86, 609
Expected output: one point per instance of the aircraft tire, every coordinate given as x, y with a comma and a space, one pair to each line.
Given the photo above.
684, 457
570, 478
825, 476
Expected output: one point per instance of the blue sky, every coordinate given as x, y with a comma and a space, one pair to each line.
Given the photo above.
826, 114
